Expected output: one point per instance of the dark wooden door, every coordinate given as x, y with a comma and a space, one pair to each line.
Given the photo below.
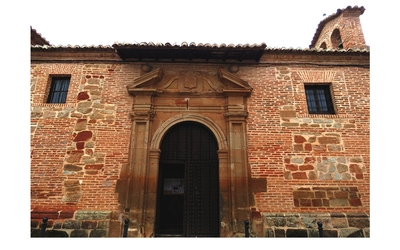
188, 193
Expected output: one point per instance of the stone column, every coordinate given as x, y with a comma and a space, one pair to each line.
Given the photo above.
142, 116
225, 194
150, 198
239, 175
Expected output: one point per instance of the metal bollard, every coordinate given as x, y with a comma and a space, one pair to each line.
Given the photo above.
321, 232
44, 225
126, 225
246, 229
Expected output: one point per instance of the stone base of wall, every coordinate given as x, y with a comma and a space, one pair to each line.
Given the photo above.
110, 224
77, 224
306, 225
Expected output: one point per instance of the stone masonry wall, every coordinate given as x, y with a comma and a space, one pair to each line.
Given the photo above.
334, 225
79, 224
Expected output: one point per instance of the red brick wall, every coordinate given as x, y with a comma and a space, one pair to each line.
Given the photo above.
79, 148
293, 149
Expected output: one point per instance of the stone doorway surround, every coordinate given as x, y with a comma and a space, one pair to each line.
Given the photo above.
163, 98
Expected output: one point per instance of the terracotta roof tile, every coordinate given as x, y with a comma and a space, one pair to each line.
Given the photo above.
188, 51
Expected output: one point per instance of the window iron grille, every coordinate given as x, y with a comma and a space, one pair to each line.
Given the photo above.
319, 100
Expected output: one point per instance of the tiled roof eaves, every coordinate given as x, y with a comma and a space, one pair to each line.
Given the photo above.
187, 45
113, 47
316, 50
263, 49
72, 48
148, 45
329, 18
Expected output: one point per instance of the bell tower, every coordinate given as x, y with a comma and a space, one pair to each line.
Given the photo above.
341, 30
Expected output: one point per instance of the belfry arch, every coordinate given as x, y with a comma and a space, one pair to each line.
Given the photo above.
164, 98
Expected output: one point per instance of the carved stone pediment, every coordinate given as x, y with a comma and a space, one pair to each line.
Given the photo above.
189, 81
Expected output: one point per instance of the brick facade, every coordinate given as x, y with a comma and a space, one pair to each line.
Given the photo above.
94, 159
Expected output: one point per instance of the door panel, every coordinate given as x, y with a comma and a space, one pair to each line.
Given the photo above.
189, 151
171, 199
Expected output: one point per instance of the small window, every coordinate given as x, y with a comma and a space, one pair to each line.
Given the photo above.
58, 90
319, 100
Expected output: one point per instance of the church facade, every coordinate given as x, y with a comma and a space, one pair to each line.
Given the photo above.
193, 140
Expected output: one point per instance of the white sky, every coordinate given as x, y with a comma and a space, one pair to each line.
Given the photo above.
277, 23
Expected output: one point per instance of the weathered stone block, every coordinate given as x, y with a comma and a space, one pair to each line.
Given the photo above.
79, 233
280, 233
313, 233
299, 175
330, 233
103, 224
72, 167
292, 220
278, 221
287, 113
303, 194
56, 233
94, 166
115, 229
92, 215
306, 167
269, 233
355, 202
57, 225
296, 233
351, 233
98, 233
71, 197
299, 139
358, 222
316, 202
74, 156
298, 147
83, 96
71, 224
338, 202
305, 202
89, 224
83, 136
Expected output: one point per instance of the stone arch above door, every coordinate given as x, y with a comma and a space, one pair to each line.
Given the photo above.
217, 131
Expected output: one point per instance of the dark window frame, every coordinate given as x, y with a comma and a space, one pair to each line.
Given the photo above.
58, 91
319, 99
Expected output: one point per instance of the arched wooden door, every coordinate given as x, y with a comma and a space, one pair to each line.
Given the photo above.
188, 186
